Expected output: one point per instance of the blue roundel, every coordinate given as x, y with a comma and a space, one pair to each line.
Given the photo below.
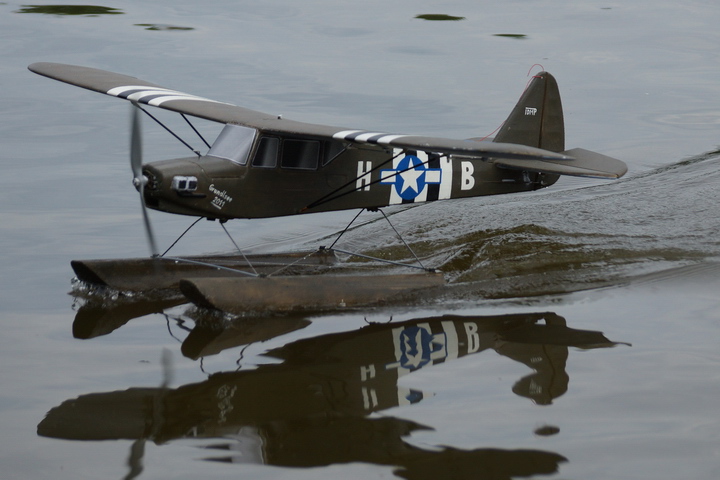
409, 184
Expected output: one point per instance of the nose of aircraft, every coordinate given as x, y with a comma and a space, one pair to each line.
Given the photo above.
175, 186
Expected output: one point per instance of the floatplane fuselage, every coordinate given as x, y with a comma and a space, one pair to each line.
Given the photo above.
263, 165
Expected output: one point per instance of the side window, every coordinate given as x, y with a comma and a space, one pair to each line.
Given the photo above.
266, 154
332, 150
302, 154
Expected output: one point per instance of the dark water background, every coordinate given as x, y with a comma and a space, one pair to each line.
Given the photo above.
635, 259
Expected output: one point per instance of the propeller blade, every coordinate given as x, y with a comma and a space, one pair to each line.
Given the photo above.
148, 228
140, 180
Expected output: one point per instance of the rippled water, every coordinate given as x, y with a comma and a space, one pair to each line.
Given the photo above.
563, 241
577, 337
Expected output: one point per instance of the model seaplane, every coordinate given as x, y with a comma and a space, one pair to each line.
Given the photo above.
264, 165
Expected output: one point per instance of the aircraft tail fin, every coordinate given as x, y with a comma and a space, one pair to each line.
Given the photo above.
537, 119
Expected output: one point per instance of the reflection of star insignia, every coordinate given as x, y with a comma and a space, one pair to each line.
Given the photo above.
419, 347
410, 177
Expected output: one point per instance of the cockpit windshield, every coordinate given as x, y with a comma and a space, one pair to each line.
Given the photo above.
234, 143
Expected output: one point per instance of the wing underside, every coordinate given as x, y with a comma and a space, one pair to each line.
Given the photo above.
507, 155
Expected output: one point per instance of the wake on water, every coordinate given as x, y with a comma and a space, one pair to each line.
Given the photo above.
557, 241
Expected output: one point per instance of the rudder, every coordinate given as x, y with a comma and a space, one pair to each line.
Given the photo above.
537, 119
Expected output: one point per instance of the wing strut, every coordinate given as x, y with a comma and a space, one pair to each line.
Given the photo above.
195, 130
329, 197
173, 133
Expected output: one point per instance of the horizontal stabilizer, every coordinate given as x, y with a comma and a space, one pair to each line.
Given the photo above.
582, 163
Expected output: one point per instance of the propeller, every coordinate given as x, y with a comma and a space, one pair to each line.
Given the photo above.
140, 180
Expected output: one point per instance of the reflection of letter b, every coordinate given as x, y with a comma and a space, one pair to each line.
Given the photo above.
473, 339
467, 181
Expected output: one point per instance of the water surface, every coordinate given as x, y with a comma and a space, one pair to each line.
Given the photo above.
577, 338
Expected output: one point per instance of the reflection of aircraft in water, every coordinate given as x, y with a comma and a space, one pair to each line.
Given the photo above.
210, 335
101, 316
381, 353
313, 408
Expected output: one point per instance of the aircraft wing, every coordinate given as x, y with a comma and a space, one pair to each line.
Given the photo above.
140, 91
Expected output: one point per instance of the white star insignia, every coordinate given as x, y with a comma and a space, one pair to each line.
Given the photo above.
410, 178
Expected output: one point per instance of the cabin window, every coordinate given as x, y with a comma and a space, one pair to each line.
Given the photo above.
332, 150
266, 154
234, 144
301, 154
